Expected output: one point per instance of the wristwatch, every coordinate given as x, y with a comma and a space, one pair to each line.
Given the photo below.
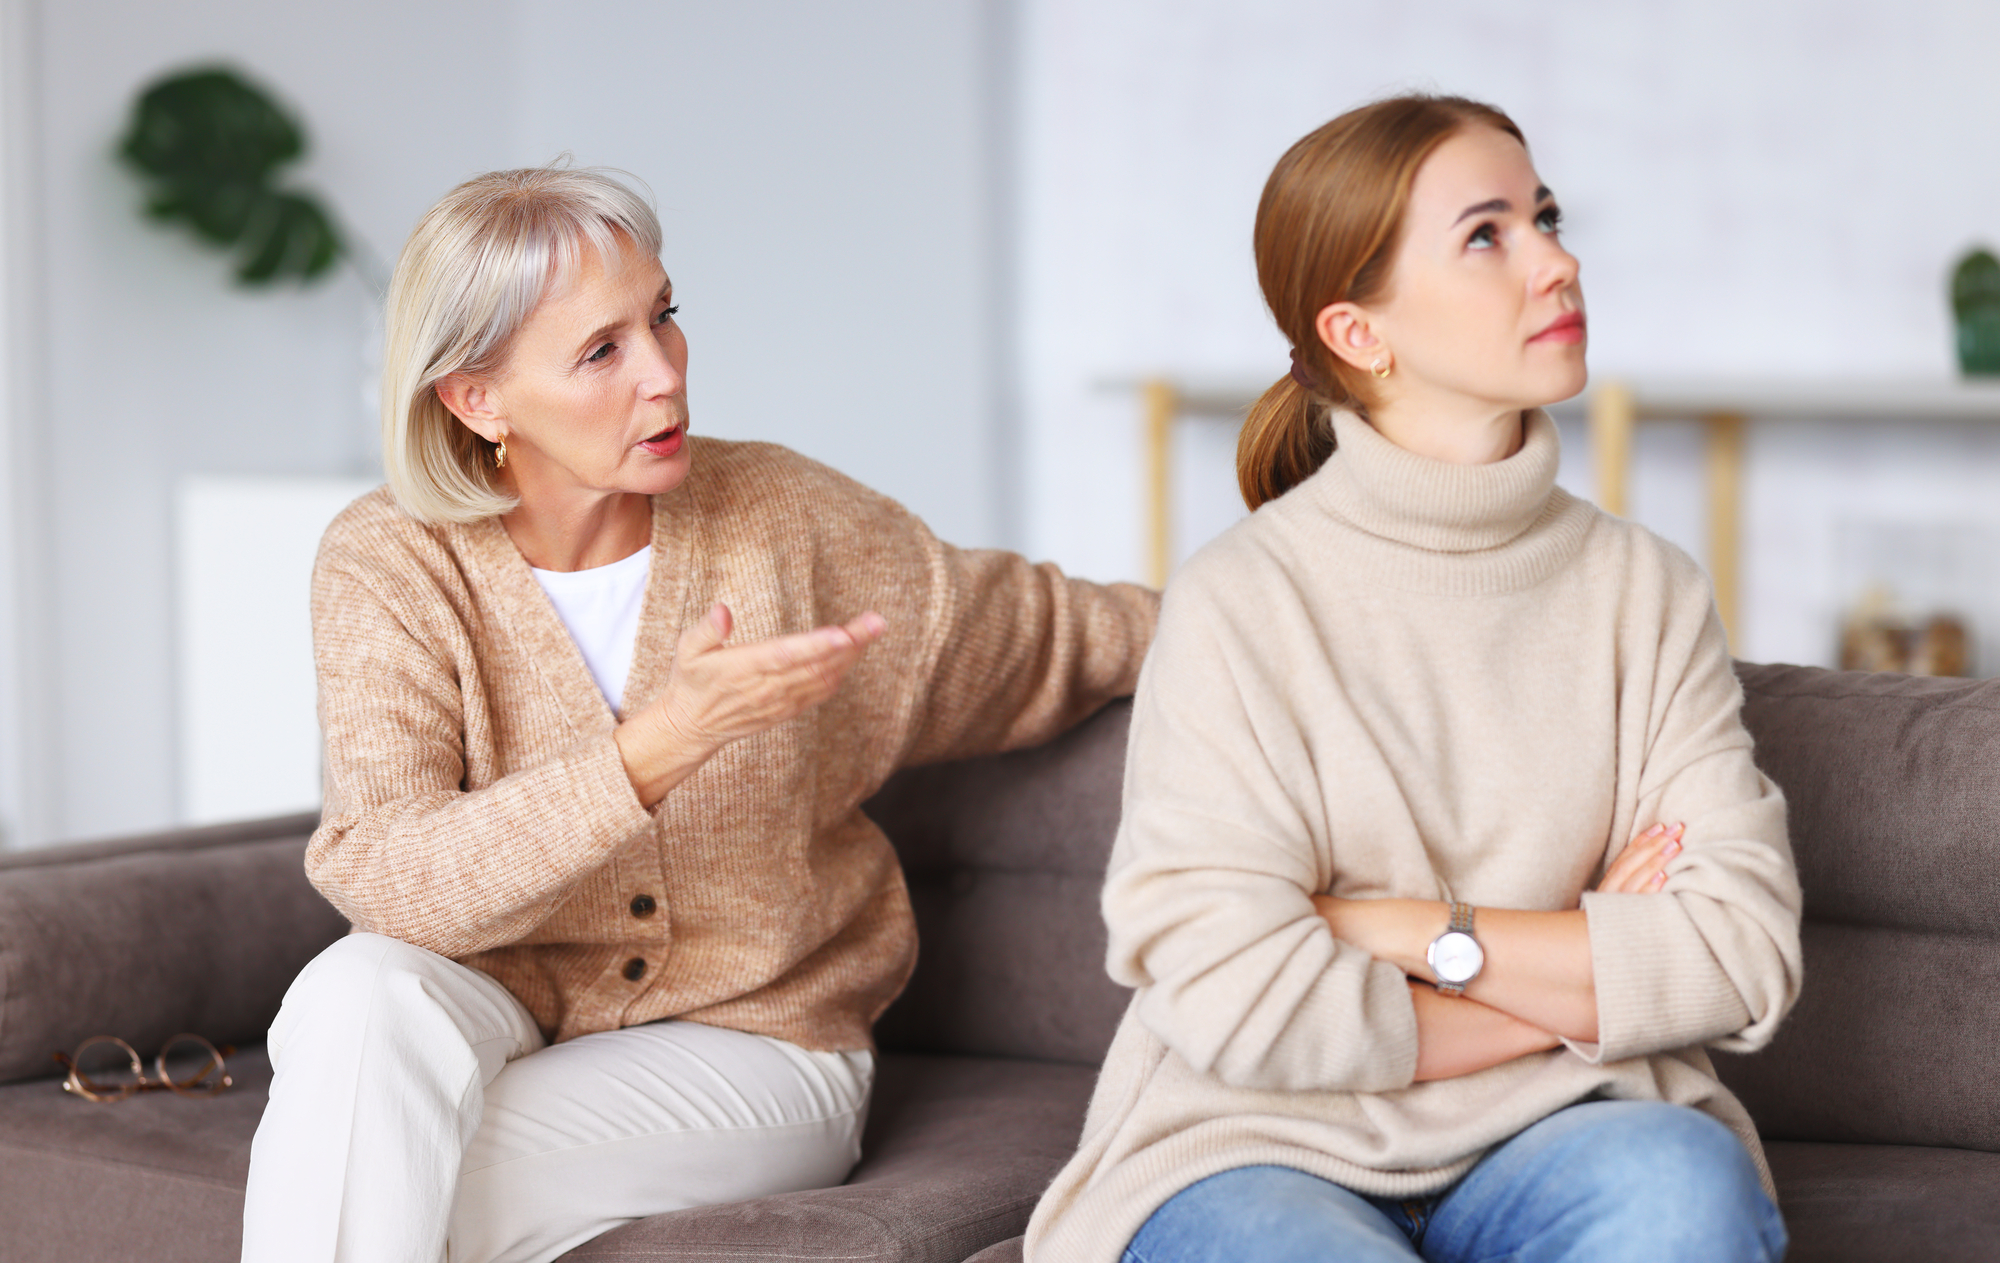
1455, 956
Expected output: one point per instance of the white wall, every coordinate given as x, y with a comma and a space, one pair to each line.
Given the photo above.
1774, 189
16, 634
827, 180
827, 186
248, 739
156, 367
912, 236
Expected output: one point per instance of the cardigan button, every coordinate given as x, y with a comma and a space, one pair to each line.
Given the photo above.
635, 969
643, 905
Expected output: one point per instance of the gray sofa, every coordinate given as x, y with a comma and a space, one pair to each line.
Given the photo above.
1880, 1100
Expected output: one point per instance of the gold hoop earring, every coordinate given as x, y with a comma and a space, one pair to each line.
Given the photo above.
500, 454
1381, 367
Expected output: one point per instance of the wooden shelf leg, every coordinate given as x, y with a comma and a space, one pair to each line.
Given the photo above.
1726, 431
1613, 416
1162, 403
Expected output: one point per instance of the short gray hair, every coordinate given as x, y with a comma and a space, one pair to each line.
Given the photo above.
473, 269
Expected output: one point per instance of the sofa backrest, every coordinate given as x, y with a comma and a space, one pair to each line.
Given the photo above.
1894, 789
197, 930
204, 929
1005, 858
1893, 782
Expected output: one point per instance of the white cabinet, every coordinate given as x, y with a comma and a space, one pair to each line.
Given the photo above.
249, 735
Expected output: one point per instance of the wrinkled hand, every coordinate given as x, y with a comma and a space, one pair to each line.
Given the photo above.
1641, 868
719, 693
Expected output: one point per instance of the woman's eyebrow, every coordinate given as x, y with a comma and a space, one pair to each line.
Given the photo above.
610, 327
1498, 205
597, 335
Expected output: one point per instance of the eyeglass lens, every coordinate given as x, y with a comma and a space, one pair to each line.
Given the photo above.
106, 1066
192, 1066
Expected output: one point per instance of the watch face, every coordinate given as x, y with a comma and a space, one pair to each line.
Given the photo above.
1456, 957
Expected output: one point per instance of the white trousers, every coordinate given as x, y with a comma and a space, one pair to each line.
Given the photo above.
416, 1116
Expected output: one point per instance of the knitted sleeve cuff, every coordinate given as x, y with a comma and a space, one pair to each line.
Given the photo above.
1658, 983
603, 789
1356, 1031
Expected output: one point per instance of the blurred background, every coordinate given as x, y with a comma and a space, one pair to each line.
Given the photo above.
942, 245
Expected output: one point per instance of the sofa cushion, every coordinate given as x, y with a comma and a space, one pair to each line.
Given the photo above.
1005, 862
80, 1180
1887, 1203
1895, 1039
1895, 805
1895, 821
957, 1152
199, 931
205, 837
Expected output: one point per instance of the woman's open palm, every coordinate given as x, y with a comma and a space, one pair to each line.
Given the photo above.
718, 692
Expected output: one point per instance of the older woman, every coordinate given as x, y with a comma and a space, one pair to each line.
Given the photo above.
601, 704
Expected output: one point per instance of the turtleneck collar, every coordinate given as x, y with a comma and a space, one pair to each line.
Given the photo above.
1400, 496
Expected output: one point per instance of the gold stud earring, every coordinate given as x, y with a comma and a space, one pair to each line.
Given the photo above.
500, 454
1381, 367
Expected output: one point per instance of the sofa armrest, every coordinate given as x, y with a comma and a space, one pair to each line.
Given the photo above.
195, 930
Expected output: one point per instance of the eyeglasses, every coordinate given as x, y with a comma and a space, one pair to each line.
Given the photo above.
104, 1068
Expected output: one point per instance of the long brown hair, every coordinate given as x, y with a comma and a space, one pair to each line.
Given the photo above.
1327, 228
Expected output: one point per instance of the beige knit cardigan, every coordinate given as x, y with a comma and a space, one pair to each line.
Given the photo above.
1413, 679
476, 804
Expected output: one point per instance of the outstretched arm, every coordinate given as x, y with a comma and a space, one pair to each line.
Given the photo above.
1021, 652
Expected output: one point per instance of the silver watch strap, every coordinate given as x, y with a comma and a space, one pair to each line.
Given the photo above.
1461, 922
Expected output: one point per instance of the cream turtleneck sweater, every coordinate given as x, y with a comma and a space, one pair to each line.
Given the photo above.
1413, 679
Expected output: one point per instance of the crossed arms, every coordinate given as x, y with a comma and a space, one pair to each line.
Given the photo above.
1537, 987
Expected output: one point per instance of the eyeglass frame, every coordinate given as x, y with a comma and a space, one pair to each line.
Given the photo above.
79, 1085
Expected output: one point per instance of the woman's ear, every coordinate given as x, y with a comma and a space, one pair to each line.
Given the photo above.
473, 402
1349, 332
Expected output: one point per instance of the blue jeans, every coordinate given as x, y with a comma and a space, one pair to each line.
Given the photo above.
1601, 1182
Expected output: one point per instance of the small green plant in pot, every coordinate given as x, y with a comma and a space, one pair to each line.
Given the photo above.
1975, 303
210, 145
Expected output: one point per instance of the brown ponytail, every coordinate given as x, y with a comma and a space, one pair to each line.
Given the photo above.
1283, 441
1327, 228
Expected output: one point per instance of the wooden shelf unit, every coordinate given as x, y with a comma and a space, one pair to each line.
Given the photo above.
1726, 408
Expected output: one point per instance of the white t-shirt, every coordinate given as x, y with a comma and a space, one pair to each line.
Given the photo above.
600, 607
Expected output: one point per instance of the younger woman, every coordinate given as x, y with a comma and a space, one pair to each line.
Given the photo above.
1401, 989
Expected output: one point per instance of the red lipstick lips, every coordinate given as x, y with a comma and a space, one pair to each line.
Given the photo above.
1567, 327
667, 441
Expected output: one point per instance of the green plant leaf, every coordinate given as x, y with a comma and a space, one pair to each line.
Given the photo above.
204, 126
292, 237
210, 143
